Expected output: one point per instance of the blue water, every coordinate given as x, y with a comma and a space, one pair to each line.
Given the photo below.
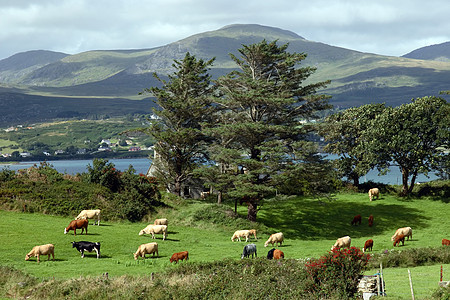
141, 165
73, 167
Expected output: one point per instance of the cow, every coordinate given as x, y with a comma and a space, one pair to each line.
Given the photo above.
445, 242
77, 224
356, 220
276, 238
144, 249
406, 231
87, 246
179, 256
342, 242
37, 251
270, 253
370, 221
278, 254
89, 214
399, 238
375, 192
161, 222
368, 245
249, 249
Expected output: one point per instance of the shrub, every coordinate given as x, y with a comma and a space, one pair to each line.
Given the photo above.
411, 257
337, 273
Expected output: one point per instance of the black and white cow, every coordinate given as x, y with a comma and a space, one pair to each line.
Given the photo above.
87, 246
270, 253
249, 249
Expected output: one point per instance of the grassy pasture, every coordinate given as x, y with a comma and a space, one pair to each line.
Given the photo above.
310, 228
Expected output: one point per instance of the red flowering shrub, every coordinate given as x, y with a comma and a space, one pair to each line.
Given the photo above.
336, 274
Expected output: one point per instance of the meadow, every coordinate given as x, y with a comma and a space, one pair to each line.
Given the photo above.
310, 228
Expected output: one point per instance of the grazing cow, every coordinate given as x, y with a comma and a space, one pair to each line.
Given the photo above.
445, 242
90, 214
249, 249
375, 192
356, 220
146, 249
179, 256
399, 238
370, 221
161, 222
155, 229
278, 254
238, 234
342, 242
368, 245
275, 239
87, 246
270, 253
77, 224
406, 231
37, 251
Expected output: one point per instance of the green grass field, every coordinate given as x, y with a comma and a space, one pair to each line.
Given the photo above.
310, 228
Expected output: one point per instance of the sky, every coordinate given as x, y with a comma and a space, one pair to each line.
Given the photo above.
386, 27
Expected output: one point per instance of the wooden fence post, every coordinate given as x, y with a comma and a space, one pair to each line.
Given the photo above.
411, 285
382, 279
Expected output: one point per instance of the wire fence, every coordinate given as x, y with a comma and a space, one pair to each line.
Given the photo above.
425, 281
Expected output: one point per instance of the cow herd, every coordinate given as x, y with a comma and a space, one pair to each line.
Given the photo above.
160, 227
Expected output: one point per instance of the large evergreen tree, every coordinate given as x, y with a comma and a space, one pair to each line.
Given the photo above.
184, 103
259, 134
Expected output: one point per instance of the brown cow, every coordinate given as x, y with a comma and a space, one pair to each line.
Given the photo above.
179, 256
278, 254
77, 224
445, 242
399, 238
368, 245
370, 221
356, 219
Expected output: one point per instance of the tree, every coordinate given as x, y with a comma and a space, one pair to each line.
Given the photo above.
184, 104
343, 132
415, 136
259, 132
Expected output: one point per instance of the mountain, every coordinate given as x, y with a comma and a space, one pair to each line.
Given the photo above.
120, 75
439, 52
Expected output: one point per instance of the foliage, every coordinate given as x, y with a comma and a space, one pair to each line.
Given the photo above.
343, 133
185, 103
411, 257
413, 136
257, 131
104, 173
337, 273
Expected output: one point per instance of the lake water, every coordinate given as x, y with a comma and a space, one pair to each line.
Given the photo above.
141, 165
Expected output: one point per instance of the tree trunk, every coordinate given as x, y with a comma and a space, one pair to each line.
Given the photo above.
413, 180
219, 197
355, 178
252, 211
177, 187
405, 175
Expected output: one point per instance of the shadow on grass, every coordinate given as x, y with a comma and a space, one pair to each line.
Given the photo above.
315, 220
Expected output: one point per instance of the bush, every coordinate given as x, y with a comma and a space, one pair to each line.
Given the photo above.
411, 257
337, 273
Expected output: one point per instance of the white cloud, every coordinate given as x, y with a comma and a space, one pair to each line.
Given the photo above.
384, 27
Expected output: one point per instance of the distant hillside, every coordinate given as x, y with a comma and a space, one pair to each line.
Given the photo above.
356, 78
439, 52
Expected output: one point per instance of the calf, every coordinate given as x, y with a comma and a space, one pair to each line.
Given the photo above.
399, 238
356, 219
179, 256
370, 221
87, 246
445, 242
368, 245
249, 249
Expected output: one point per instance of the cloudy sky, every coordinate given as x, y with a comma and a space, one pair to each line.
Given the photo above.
387, 27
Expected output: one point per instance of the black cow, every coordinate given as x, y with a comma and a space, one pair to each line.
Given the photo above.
270, 253
87, 246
